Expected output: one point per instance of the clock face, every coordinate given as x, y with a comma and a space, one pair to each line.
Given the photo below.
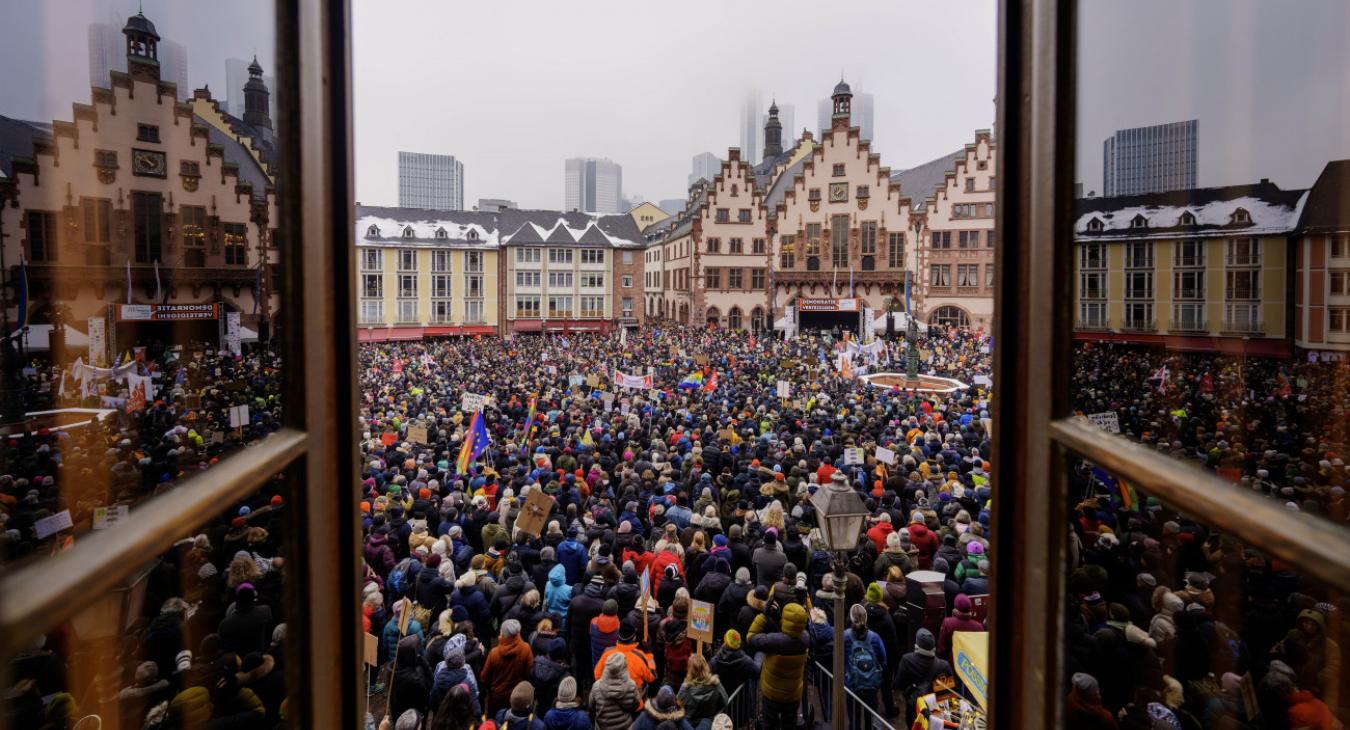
839, 192
148, 163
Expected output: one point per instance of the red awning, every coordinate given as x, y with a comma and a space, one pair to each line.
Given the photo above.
1226, 346
386, 334
526, 325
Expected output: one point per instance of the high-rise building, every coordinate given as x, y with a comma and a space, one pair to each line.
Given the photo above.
495, 205
107, 52
236, 76
705, 167
861, 115
751, 125
1150, 159
593, 185
434, 182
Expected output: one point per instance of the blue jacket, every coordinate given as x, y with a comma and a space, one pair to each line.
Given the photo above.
506, 720
573, 557
389, 637
572, 718
558, 593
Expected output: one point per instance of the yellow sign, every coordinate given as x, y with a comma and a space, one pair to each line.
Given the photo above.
970, 657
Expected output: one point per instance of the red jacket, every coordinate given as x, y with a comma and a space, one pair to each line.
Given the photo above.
1305, 710
926, 542
640, 562
659, 563
878, 534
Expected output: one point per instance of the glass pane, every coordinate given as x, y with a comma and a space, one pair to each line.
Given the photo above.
697, 308
193, 638
1212, 239
140, 261
1174, 623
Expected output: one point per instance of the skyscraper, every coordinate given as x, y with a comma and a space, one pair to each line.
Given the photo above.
435, 182
705, 167
1151, 159
593, 185
751, 125
108, 52
236, 75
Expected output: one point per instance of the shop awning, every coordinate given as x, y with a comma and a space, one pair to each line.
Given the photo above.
970, 658
386, 334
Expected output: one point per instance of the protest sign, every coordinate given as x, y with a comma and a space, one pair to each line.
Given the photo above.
592, 381
105, 517
784, 389
238, 416
388, 438
885, 455
624, 380
1107, 421
372, 652
417, 434
853, 455
471, 402
534, 513
701, 621
48, 526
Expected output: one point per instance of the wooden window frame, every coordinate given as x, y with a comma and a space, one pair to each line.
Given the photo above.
316, 447
1031, 409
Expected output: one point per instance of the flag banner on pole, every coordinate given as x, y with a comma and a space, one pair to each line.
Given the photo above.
475, 443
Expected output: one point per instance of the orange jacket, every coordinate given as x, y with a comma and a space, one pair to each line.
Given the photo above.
641, 666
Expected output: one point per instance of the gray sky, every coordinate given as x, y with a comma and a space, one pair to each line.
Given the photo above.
1269, 83
44, 46
514, 88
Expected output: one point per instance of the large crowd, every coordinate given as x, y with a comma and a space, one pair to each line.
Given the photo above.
1171, 624
694, 487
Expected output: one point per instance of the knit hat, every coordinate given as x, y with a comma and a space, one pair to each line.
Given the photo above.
627, 633
567, 693
857, 615
409, 720
665, 699
743, 576
874, 594
924, 643
732, 639
1086, 684
610, 607
522, 698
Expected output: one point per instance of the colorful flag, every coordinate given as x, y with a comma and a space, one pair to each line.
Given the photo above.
692, 380
475, 442
586, 439
529, 425
711, 385
128, 280
158, 289
1127, 494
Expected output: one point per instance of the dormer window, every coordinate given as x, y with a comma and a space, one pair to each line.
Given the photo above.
1139, 221
441, 234
407, 232
1095, 225
473, 235
1187, 219
373, 232
1241, 216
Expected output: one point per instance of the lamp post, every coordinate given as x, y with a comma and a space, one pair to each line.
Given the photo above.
840, 514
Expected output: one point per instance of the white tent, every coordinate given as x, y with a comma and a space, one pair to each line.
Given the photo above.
39, 338
901, 323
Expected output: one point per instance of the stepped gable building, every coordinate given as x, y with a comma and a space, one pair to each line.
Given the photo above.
838, 226
1207, 269
175, 197
570, 271
728, 256
1322, 267
955, 248
426, 273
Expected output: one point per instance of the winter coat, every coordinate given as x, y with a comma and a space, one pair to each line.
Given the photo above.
785, 654
446, 678
604, 634
768, 566
379, 556
733, 667
558, 593
613, 698
703, 701
584, 607
508, 664
570, 718
476, 604
546, 676
652, 718
573, 557
411, 688
641, 666
247, 631
926, 542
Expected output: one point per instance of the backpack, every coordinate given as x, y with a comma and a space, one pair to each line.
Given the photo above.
398, 577
864, 671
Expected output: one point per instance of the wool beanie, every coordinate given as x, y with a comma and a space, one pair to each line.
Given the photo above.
924, 642
522, 698
567, 693
732, 639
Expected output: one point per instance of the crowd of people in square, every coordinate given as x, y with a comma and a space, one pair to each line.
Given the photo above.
695, 489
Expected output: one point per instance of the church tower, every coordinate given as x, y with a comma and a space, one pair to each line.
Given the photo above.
773, 134
256, 95
142, 48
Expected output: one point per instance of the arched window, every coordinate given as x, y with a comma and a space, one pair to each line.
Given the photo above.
713, 316
734, 318
757, 320
407, 232
1242, 216
373, 232
949, 316
1187, 219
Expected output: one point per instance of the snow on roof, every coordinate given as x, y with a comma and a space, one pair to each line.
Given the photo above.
1212, 211
390, 224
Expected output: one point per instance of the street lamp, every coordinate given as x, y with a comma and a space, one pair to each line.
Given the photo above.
840, 514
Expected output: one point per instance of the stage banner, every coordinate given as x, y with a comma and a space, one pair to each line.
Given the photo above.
641, 382
233, 337
98, 342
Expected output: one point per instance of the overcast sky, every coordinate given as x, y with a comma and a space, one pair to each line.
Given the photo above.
514, 88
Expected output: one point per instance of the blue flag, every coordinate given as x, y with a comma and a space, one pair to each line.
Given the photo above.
475, 442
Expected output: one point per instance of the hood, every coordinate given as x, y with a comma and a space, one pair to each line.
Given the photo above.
557, 576
704, 691
917, 529
962, 603
547, 670
607, 624
616, 668
794, 619
1316, 617
674, 715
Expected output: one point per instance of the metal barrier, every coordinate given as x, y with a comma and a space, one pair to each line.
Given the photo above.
860, 714
743, 704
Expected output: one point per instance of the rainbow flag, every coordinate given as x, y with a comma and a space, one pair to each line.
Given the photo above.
475, 442
693, 380
529, 426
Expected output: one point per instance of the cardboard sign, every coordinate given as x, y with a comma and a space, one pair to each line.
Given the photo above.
726, 434
700, 359
1107, 421
592, 381
238, 416
534, 513
784, 389
472, 402
701, 621
404, 616
105, 517
48, 526
885, 455
853, 455
417, 434
576, 379
372, 650
608, 399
